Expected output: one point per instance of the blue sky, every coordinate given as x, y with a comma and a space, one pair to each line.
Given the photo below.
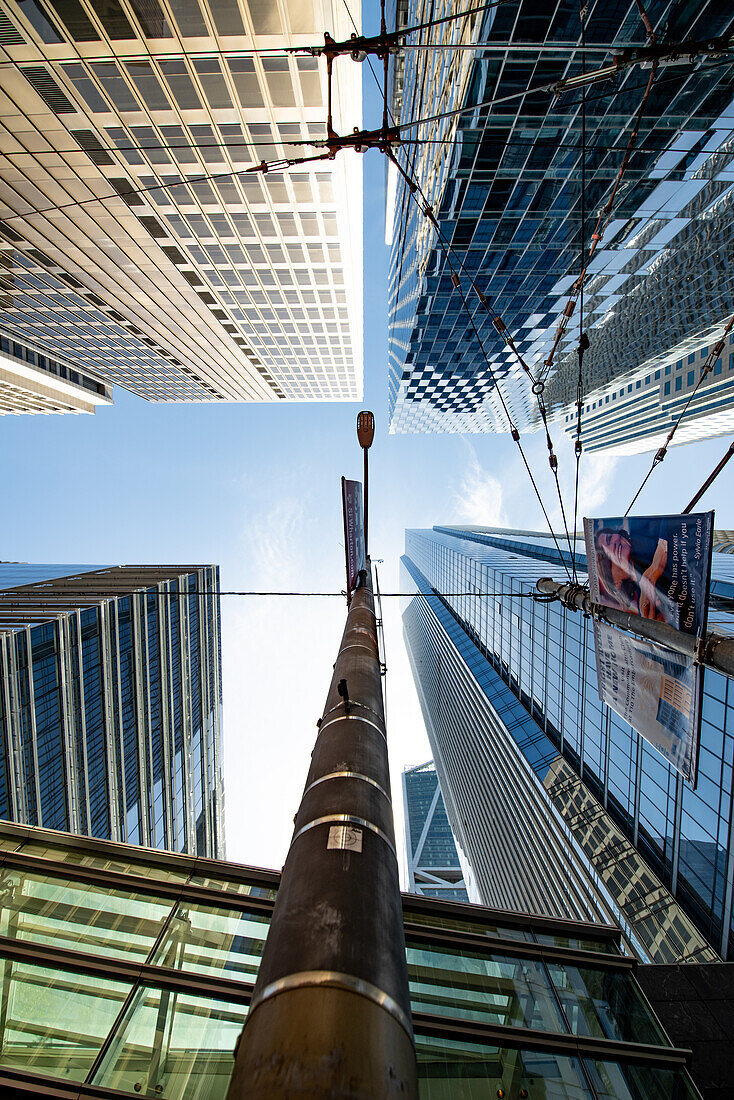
255, 489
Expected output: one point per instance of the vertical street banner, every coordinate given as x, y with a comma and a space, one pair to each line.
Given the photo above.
654, 566
657, 567
353, 532
657, 691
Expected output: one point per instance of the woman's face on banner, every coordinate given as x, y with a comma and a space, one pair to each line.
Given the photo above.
616, 547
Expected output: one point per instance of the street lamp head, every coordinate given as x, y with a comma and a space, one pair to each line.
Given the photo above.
365, 428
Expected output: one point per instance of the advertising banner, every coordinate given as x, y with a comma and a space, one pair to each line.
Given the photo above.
353, 531
654, 566
657, 567
655, 690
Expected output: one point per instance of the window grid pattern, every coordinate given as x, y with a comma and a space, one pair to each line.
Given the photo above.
638, 416
199, 282
136, 974
110, 713
621, 798
434, 869
505, 185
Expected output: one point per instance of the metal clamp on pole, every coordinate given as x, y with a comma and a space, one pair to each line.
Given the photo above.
715, 651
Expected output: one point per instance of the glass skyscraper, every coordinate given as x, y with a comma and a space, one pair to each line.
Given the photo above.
535, 763
110, 703
129, 972
504, 182
133, 247
434, 869
637, 415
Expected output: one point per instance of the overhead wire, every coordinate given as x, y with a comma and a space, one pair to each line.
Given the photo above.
280, 165
414, 191
709, 480
708, 366
544, 89
600, 228
85, 595
583, 338
263, 168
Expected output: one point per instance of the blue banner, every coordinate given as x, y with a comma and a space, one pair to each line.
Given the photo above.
353, 532
654, 566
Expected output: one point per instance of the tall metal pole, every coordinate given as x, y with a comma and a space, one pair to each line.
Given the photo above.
365, 435
330, 1013
366, 498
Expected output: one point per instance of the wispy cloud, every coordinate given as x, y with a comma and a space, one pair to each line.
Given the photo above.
478, 499
277, 654
271, 542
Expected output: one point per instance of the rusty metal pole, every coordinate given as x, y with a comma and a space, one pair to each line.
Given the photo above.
330, 1013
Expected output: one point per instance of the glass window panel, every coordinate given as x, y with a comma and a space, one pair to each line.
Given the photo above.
265, 17
205, 940
88, 858
148, 85
54, 1022
151, 18
181, 85
100, 921
114, 20
280, 85
115, 86
478, 986
308, 71
215, 86
604, 1003
578, 943
245, 81
301, 16
226, 16
77, 21
176, 1045
38, 19
613, 1081
455, 1070
189, 18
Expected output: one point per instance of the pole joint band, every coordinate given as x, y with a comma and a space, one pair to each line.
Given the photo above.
346, 819
352, 718
347, 775
309, 979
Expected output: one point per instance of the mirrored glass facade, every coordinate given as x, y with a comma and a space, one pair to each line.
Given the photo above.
504, 181
502, 1005
110, 704
508, 686
434, 869
134, 243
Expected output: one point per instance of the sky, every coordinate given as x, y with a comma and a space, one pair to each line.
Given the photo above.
256, 490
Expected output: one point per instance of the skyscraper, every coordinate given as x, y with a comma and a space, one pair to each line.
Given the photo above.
535, 763
31, 382
133, 246
110, 703
434, 869
504, 180
637, 415
137, 982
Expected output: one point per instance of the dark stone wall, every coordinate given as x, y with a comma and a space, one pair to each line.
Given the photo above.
695, 1004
